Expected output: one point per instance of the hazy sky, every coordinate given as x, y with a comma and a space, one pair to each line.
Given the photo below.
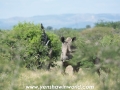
28, 8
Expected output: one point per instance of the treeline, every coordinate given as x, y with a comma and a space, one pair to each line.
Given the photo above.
101, 23
112, 24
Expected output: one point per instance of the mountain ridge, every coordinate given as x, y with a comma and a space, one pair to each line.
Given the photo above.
61, 20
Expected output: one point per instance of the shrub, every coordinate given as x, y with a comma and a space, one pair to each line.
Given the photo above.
24, 40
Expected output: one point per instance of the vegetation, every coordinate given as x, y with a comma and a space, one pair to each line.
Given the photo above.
112, 24
24, 41
21, 47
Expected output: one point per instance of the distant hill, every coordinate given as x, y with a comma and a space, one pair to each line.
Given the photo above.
59, 21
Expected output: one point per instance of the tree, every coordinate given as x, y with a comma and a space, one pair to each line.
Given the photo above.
49, 27
26, 39
88, 26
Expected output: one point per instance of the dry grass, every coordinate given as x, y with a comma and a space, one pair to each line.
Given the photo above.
19, 78
54, 77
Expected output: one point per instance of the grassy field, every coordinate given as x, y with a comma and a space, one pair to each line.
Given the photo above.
14, 77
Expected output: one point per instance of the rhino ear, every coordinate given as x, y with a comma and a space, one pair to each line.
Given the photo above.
73, 39
62, 39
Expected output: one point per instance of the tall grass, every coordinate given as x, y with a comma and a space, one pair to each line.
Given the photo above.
16, 78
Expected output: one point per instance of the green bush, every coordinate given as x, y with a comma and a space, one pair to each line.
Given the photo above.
24, 41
